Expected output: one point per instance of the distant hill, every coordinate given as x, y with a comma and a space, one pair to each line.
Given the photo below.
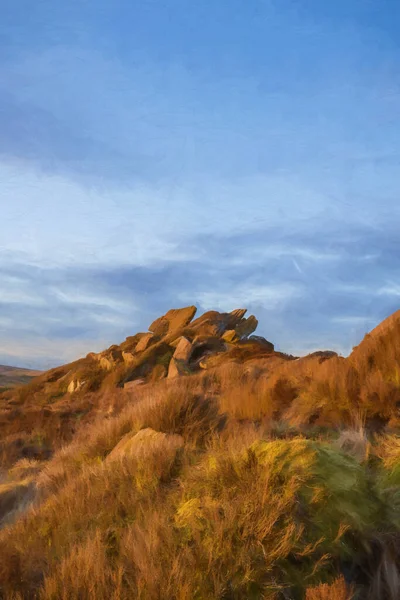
11, 377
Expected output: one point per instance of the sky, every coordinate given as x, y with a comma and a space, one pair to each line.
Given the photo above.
157, 154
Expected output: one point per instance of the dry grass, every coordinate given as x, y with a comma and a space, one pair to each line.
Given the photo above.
335, 591
219, 486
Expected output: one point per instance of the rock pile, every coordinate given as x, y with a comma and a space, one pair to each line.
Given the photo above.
176, 344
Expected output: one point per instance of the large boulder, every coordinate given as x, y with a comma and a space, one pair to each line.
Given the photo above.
139, 444
215, 324
183, 350
177, 368
174, 320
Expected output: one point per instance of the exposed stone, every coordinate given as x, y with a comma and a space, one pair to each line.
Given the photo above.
105, 363
128, 358
235, 317
212, 323
261, 340
204, 346
183, 350
230, 336
215, 324
74, 386
139, 444
174, 343
144, 342
131, 342
115, 354
173, 320
177, 368
246, 327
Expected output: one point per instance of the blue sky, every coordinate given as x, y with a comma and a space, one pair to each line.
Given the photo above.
224, 154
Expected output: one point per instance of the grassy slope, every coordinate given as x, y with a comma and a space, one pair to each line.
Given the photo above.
269, 479
11, 377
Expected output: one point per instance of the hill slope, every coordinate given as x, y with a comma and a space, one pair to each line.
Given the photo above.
195, 462
11, 377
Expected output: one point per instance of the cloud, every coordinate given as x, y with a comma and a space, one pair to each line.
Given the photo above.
333, 300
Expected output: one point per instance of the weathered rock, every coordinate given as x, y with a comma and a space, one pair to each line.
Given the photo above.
246, 327
235, 317
173, 320
144, 342
175, 342
177, 368
105, 363
261, 340
74, 386
205, 346
183, 350
215, 324
131, 342
114, 353
230, 336
139, 444
128, 358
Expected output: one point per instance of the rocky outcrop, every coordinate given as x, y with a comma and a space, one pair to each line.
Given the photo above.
175, 345
174, 320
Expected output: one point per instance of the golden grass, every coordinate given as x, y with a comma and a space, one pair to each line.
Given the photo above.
221, 485
334, 591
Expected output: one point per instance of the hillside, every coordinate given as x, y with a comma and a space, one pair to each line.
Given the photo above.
193, 461
11, 377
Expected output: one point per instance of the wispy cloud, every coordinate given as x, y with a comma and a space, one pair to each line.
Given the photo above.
330, 303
